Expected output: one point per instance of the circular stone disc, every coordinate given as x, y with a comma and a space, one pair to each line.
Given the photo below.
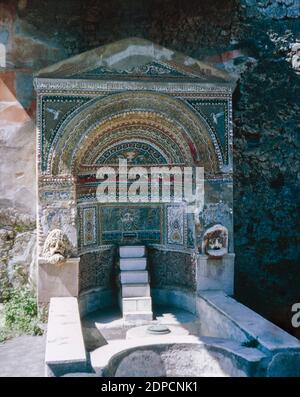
143, 331
158, 329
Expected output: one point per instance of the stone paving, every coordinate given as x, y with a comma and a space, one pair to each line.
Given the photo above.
22, 356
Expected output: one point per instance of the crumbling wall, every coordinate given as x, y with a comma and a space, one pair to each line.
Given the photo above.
267, 163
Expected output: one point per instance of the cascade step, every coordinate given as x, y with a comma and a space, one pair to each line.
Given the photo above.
134, 294
132, 251
133, 263
135, 290
134, 277
137, 304
138, 316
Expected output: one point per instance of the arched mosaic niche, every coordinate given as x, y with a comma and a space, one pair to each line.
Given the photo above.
165, 124
155, 107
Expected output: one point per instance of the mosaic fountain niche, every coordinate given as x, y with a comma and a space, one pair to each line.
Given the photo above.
152, 106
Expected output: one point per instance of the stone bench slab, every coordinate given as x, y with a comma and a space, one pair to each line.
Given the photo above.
246, 321
64, 344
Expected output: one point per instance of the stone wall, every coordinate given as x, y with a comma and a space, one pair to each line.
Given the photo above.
254, 40
17, 250
267, 164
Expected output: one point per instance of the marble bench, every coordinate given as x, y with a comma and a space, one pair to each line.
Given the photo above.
65, 350
223, 316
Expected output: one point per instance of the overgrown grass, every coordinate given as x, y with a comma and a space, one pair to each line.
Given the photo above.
20, 314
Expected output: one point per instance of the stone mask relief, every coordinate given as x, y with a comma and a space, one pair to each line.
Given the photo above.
215, 241
56, 247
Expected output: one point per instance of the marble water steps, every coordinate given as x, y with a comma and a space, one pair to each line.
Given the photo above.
140, 317
135, 300
133, 263
134, 277
137, 304
135, 290
132, 251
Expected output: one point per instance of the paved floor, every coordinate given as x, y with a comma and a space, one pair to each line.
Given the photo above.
22, 357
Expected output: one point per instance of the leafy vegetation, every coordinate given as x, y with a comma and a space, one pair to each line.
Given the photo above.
19, 314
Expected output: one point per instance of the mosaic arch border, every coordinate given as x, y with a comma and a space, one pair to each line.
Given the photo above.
77, 126
136, 125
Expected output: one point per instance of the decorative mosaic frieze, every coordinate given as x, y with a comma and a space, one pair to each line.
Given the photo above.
97, 117
51, 195
217, 213
163, 225
150, 69
190, 232
131, 224
139, 128
134, 152
88, 227
215, 113
54, 110
175, 225
90, 87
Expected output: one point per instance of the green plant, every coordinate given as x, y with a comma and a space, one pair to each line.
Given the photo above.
4, 335
21, 312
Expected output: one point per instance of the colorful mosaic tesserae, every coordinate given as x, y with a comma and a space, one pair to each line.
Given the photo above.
146, 104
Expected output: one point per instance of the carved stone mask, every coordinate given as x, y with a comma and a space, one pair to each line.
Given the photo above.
57, 246
215, 241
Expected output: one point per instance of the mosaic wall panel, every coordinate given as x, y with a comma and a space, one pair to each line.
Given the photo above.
55, 109
134, 152
151, 69
98, 269
152, 115
175, 225
131, 224
215, 113
88, 229
190, 235
89, 226
171, 269
164, 225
